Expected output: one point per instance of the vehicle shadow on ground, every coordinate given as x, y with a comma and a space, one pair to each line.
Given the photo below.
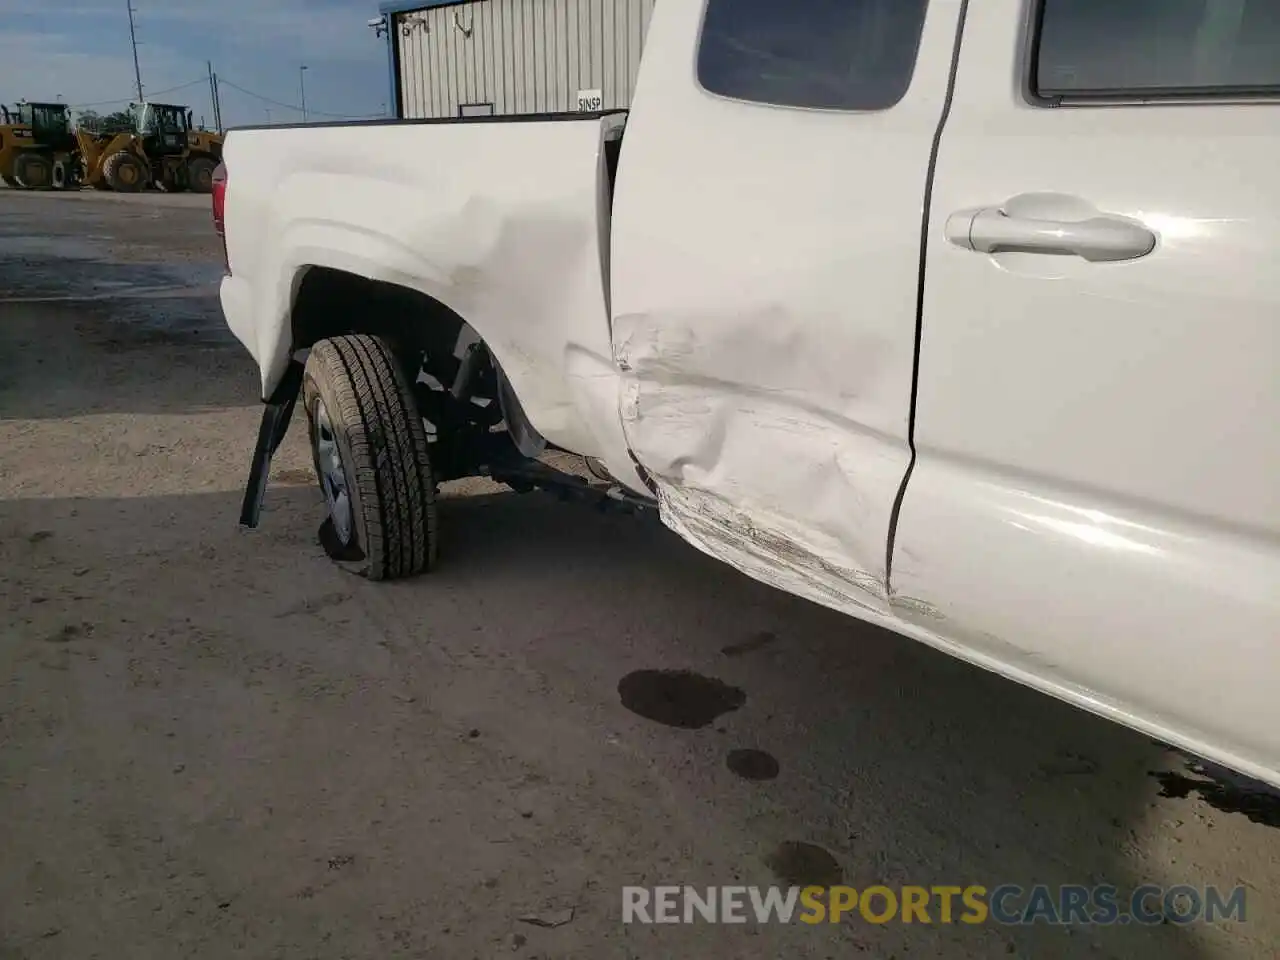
215, 737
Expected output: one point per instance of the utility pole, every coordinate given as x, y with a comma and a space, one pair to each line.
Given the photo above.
302, 86
133, 39
213, 93
213, 96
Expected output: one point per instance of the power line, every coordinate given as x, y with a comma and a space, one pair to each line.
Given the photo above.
295, 107
223, 81
258, 96
181, 86
104, 103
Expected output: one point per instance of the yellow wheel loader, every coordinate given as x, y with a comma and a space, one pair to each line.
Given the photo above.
112, 161
38, 150
163, 150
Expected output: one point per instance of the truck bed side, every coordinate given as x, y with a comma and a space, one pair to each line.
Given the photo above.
504, 223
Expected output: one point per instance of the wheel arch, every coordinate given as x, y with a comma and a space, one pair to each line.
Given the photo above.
330, 302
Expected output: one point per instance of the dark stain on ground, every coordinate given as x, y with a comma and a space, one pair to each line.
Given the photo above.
56, 275
755, 642
1259, 803
1067, 764
753, 764
678, 698
798, 864
133, 304
193, 319
66, 634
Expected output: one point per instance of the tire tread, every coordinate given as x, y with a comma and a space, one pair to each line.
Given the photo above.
395, 491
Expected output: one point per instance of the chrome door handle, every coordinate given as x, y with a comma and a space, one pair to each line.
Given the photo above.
1097, 239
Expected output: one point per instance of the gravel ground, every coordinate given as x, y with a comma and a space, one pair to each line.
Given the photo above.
213, 743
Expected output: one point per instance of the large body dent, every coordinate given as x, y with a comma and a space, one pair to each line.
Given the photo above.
756, 470
765, 393
751, 541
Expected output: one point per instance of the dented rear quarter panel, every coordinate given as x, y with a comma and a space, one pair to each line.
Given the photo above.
501, 222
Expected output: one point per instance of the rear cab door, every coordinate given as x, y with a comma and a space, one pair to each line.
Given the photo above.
1096, 499
765, 268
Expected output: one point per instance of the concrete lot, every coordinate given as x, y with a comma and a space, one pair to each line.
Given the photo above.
213, 743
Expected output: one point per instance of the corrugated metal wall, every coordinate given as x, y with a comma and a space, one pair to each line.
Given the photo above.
522, 56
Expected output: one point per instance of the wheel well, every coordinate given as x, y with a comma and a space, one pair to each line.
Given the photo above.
331, 303
463, 395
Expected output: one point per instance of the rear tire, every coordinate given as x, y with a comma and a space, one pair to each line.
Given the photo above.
124, 173
33, 171
200, 175
371, 457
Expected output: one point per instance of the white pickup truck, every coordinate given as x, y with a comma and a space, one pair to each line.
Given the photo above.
960, 318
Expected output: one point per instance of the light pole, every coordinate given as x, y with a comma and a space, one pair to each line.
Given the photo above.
302, 86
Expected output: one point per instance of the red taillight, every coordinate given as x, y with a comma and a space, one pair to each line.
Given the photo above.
219, 209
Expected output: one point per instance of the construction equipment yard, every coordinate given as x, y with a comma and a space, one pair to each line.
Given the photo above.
214, 742
43, 146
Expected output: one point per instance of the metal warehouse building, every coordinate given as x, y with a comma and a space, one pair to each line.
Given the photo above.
449, 58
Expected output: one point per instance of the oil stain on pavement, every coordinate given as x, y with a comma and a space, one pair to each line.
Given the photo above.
678, 698
799, 864
757, 641
753, 764
1259, 803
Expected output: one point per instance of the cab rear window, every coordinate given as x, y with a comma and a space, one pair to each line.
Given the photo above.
820, 54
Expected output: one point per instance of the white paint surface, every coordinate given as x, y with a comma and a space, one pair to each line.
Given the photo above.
1097, 496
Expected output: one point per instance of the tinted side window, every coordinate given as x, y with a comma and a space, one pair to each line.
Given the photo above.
1158, 47
832, 54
